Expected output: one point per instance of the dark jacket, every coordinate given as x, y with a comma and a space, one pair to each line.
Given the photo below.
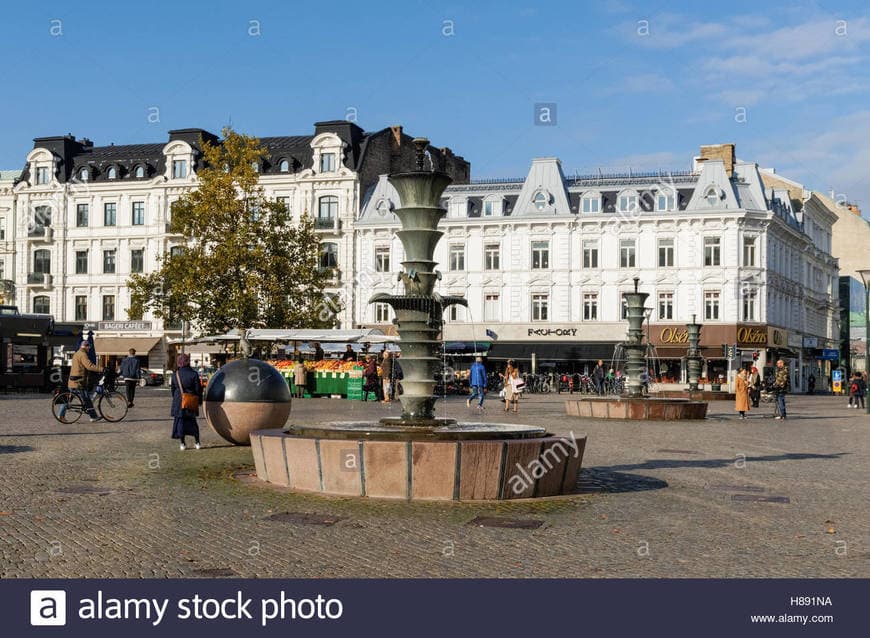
190, 383
130, 368
782, 380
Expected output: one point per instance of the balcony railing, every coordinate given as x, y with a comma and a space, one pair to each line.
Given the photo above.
42, 279
325, 223
40, 233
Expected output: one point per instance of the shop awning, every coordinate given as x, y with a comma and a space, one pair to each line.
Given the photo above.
467, 347
556, 351
121, 345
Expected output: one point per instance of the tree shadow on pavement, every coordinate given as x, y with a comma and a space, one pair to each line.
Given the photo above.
606, 480
657, 464
13, 449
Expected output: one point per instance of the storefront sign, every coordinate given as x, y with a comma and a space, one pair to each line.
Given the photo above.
751, 336
776, 337
674, 335
794, 340
811, 342
828, 354
552, 332
122, 326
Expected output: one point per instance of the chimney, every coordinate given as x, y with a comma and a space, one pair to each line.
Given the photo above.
397, 134
724, 152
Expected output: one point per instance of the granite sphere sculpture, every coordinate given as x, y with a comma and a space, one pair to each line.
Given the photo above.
246, 395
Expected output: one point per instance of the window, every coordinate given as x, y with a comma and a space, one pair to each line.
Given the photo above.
491, 257
666, 200
383, 207
176, 251
540, 307
487, 209
382, 259
327, 162
108, 307
666, 305
540, 255
42, 175
382, 313
590, 253
81, 215
627, 203
84, 175
329, 255
179, 169
42, 261
110, 216
327, 209
749, 297
41, 218
711, 304
137, 260
81, 262
41, 305
457, 257
627, 256
284, 201
255, 166
591, 204
2, 230
623, 312
108, 261
81, 306
491, 307
666, 253
711, 197
749, 251
590, 306
255, 212
139, 172
712, 251
138, 213
540, 200
112, 173
284, 166
455, 313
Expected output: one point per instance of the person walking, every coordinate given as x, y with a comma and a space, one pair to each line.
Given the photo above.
754, 382
478, 383
373, 380
598, 375
811, 383
741, 393
300, 378
862, 390
781, 386
387, 376
185, 381
130, 369
513, 386
79, 367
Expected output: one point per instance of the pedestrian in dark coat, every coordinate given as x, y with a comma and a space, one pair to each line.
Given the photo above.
373, 379
130, 371
185, 379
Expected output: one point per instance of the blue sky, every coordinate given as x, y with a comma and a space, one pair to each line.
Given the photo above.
636, 85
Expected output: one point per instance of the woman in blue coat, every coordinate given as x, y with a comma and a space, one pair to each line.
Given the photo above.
184, 423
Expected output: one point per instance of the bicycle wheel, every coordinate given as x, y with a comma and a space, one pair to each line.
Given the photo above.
67, 407
112, 406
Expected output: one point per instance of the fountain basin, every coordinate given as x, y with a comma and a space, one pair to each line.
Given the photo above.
694, 395
458, 461
637, 409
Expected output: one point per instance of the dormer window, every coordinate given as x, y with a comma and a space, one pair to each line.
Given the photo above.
487, 208
712, 196
590, 203
666, 200
383, 207
84, 174
139, 172
42, 175
255, 167
327, 162
284, 166
541, 200
112, 173
627, 202
179, 169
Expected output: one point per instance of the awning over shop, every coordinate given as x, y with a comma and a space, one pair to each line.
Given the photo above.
557, 351
121, 345
467, 347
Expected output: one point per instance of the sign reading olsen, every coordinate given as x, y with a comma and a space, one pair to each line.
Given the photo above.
674, 335
751, 336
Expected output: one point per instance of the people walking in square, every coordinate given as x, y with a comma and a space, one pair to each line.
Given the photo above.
478, 383
387, 376
598, 375
857, 390
781, 386
741, 393
300, 378
185, 381
130, 369
754, 382
79, 367
513, 386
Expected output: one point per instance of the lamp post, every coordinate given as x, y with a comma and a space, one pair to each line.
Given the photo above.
865, 279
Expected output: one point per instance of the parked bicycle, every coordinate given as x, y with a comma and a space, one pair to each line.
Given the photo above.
67, 405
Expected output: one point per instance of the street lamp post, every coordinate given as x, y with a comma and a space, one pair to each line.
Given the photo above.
865, 279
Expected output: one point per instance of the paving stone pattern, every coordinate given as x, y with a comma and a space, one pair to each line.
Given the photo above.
719, 498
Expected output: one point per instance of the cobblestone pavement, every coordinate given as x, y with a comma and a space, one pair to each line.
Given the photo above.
656, 500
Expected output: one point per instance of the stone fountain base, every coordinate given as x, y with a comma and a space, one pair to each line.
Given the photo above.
450, 461
640, 409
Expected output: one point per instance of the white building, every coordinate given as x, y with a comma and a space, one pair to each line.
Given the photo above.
80, 219
543, 262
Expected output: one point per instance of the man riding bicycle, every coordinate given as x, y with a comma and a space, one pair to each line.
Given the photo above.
81, 364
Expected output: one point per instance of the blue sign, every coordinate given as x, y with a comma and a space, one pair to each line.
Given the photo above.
836, 375
829, 354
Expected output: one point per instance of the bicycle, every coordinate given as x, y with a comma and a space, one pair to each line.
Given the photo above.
67, 406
